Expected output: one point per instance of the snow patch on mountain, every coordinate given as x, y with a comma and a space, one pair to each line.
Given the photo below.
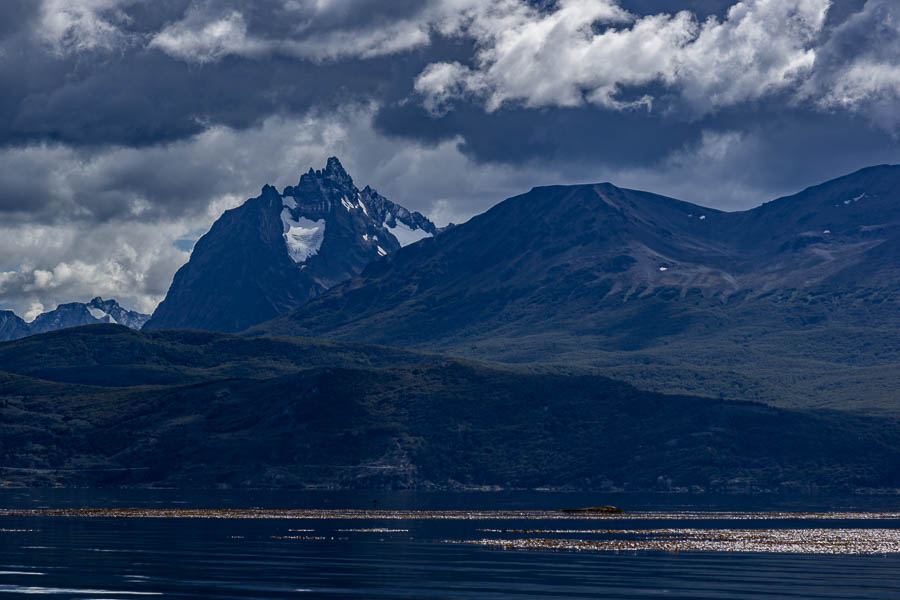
405, 234
101, 315
302, 236
856, 199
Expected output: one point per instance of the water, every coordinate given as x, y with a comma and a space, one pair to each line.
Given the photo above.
119, 558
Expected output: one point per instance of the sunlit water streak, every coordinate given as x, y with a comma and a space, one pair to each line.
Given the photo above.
794, 541
276, 552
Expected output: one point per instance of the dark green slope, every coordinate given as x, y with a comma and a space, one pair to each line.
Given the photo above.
267, 412
115, 356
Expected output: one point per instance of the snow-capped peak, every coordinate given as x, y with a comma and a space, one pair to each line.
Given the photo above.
364, 218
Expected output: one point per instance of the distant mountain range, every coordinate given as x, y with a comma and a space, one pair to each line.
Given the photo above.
73, 314
278, 251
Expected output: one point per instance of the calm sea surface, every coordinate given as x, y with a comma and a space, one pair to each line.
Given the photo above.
411, 556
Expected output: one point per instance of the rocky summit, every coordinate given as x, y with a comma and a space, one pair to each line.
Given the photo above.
279, 250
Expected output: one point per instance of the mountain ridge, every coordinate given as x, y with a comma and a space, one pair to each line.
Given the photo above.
605, 277
71, 314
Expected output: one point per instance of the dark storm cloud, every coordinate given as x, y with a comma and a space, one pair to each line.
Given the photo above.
145, 97
150, 98
518, 134
702, 8
801, 146
838, 12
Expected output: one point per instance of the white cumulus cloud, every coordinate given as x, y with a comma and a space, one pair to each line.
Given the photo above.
209, 33
71, 26
858, 68
202, 40
593, 52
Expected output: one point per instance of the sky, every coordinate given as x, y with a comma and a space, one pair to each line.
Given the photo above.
128, 126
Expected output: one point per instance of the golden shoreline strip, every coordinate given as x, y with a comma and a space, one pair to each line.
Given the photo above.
200, 513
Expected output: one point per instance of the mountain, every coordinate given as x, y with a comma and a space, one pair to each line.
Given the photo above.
73, 314
277, 251
793, 302
107, 406
109, 311
12, 327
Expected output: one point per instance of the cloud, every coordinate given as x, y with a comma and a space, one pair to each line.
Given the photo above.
137, 96
858, 69
72, 26
74, 263
212, 31
761, 47
392, 39
291, 56
202, 41
441, 83
595, 52
720, 169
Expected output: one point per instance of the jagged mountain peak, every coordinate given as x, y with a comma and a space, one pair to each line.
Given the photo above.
324, 190
99, 302
334, 170
277, 251
327, 201
333, 174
